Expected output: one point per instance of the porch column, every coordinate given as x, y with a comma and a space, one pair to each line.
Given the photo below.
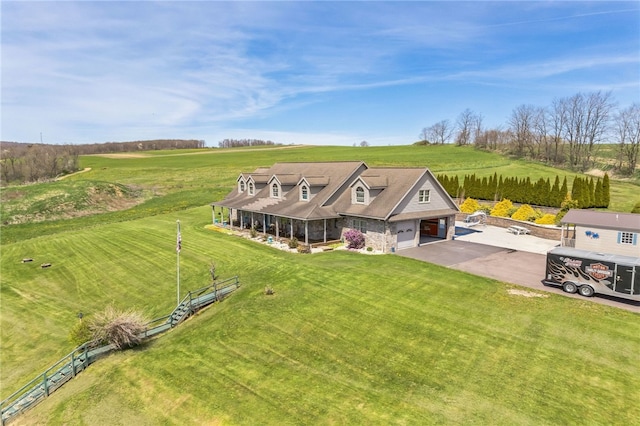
213, 215
253, 222
325, 230
306, 232
291, 228
241, 219
277, 227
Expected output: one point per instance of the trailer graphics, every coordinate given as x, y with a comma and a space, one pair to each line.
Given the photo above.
589, 273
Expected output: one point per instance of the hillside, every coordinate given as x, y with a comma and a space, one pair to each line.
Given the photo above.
346, 338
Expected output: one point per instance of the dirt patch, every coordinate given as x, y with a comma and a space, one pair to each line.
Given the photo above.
86, 169
525, 293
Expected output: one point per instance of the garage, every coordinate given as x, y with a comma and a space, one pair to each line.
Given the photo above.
406, 232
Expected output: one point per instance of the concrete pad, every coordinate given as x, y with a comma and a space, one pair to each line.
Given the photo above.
500, 237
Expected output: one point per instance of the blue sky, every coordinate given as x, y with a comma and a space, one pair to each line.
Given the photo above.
325, 73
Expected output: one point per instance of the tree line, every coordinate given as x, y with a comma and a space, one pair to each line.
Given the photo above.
567, 132
32, 162
235, 143
586, 192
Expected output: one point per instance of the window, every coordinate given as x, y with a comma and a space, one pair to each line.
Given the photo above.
424, 196
360, 225
275, 190
241, 186
359, 195
304, 192
251, 188
627, 238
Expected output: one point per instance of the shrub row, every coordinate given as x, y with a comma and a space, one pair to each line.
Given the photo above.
587, 192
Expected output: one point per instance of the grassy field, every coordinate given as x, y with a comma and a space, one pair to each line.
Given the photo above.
165, 181
346, 339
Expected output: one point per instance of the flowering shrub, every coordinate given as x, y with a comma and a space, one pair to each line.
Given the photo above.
469, 206
525, 212
354, 238
547, 219
502, 209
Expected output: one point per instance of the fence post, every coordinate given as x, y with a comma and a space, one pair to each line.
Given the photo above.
45, 384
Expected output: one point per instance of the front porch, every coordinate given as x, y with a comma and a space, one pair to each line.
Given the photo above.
308, 232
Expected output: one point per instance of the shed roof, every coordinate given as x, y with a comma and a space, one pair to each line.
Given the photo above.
606, 220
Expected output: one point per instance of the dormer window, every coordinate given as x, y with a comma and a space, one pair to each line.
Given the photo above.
242, 186
275, 191
304, 193
252, 188
360, 195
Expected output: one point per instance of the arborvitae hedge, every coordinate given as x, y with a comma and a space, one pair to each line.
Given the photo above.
587, 192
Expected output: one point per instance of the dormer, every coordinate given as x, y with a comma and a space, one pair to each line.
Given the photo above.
365, 189
308, 187
275, 187
251, 186
242, 184
259, 181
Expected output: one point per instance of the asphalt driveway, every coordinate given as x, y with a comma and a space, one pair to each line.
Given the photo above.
503, 264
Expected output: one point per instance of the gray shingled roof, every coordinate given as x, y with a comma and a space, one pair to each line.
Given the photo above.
290, 205
606, 220
334, 196
399, 182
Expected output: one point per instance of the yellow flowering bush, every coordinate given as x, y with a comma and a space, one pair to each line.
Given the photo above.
502, 209
525, 212
547, 219
469, 206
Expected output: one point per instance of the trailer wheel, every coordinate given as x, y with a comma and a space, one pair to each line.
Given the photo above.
569, 287
586, 290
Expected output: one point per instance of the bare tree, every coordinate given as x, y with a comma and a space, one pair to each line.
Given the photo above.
467, 120
521, 124
440, 132
587, 120
557, 116
627, 126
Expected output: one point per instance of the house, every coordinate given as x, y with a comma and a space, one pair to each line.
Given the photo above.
602, 232
395, 208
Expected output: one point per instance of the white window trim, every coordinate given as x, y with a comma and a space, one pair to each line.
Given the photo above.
303, 189
356, 195
252, 188
241, 186
275, 190
627, 238
421, 196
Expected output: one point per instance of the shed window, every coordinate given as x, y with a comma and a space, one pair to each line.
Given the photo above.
630, 238
360, 195
424, 196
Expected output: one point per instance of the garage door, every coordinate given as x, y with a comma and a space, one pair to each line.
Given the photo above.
406, 232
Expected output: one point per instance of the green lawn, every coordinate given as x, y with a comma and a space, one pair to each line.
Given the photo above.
347, 338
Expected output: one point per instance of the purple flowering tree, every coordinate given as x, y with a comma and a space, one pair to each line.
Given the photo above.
354, 238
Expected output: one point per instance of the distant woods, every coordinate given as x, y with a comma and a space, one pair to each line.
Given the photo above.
236, 143
566, 133
30, 162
